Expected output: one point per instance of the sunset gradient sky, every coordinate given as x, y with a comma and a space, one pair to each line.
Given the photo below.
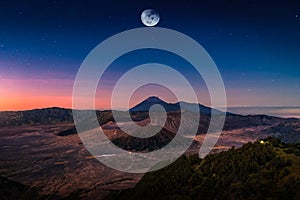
254, 43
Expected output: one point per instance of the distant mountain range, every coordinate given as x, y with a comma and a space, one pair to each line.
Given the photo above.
286, 129
53, 115
57, 115
145, 105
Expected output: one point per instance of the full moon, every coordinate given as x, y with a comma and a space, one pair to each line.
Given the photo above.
150, 17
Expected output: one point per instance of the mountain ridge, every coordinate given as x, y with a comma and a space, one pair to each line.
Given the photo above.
146, 104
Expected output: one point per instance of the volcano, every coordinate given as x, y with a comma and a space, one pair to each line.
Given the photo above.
145, 105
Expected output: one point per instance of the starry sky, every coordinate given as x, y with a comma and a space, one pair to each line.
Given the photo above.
255, 45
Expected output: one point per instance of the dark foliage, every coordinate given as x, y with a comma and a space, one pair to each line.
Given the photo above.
258, 170
11, 190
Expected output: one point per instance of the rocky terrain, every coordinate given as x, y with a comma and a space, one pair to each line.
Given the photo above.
56, 166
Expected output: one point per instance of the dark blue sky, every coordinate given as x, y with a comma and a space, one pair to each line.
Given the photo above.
254, 43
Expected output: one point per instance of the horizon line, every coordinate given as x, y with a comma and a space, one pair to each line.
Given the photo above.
125, 109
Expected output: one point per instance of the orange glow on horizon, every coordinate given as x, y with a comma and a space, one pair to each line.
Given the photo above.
19, 103
28, 103
27, 94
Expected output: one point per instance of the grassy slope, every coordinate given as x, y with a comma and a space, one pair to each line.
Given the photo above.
255, 171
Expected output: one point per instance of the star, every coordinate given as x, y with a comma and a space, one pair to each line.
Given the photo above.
297, 15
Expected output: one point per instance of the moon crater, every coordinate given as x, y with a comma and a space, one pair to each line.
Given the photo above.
150, 17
